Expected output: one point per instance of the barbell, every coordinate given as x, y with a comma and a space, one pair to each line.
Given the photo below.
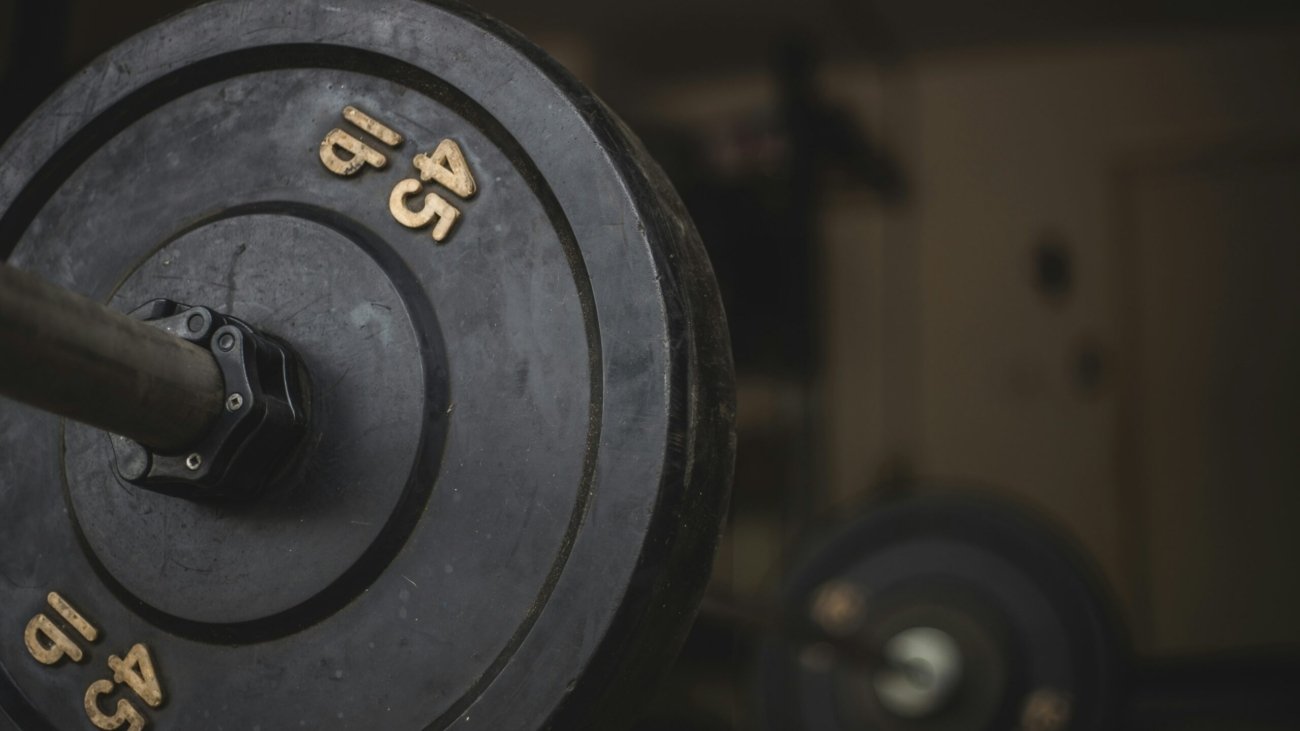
363, 371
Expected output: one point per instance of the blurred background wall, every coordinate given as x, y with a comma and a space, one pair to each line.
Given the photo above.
1045, 249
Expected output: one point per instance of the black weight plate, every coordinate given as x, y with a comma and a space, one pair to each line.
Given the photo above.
521, 436
1040, 644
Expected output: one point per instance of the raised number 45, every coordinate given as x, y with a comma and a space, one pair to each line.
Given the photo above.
137, 673
446, 166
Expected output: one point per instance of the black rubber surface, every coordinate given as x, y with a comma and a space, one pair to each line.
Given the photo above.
521, 438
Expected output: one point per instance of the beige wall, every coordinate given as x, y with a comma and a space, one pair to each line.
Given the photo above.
1011, 145
1213, 245
943, 357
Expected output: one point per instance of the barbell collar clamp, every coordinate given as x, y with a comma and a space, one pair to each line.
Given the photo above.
252, 439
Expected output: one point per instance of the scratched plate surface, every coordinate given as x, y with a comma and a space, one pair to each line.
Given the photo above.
521, 400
